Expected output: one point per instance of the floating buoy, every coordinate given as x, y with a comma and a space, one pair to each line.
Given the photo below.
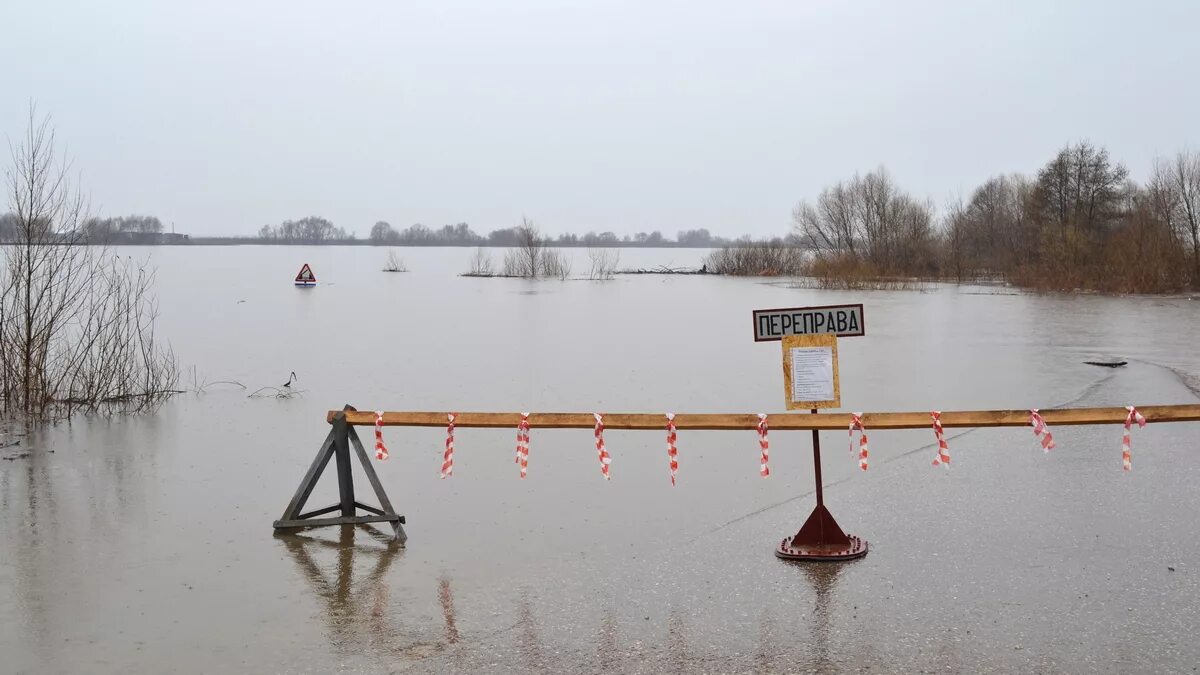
305, 277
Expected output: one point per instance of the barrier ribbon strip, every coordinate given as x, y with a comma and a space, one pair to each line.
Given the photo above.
605, 460
856, 423
1126, 442
672, 451
763, 469
943, 453
448, 458
381, 452
523, 444
1040, 430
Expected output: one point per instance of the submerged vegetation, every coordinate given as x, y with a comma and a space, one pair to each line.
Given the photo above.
769, 259
76, 322
481, 264
1080, 223
529, 258
394, 263
604, 263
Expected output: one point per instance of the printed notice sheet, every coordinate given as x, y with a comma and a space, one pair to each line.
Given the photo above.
812, 374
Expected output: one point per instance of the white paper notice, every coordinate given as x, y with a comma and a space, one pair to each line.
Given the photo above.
812, 374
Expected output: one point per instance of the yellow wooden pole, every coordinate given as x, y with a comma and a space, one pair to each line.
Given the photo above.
780, 421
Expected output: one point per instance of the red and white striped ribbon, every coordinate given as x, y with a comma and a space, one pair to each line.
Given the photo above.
381, 452
605, 460
448, 457
672, 451
856, 423
943, 453
1126, 442
523, 444
763, 469
1040, 430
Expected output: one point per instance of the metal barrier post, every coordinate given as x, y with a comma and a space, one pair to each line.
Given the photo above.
820, 538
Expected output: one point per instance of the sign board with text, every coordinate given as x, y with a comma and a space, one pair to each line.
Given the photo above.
810, 371
840, 320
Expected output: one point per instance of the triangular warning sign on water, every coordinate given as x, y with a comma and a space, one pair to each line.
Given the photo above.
305, 276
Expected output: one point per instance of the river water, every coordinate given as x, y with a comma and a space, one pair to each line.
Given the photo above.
144, 545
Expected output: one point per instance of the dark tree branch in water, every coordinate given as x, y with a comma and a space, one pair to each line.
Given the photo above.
122, 398
274, 392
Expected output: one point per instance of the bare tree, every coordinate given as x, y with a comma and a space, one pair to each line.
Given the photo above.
830, 226
481, 263
394, 263
555, 263
309, 230
868, 219
1174, 194
604, 262
525, 259
382, 233
955, 235
1081, 188
76, 324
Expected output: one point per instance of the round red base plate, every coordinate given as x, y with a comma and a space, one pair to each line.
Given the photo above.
857, 549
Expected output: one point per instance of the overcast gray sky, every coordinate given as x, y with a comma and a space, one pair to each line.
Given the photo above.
222, 116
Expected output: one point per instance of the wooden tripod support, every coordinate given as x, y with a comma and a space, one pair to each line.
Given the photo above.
337, 445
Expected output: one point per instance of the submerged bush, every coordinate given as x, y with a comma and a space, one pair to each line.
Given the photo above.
770, 259
76, 323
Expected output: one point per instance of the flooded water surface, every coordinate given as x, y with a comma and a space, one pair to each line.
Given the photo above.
144, 545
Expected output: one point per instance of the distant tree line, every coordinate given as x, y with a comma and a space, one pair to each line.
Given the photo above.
310, 230
318, 230
110, 230
383, 234
1080, 222
119, 230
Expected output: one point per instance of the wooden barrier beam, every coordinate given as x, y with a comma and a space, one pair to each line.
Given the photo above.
779, 421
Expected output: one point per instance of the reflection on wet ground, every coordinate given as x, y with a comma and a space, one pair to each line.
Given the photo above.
823, 579
358, 608
144, 545
354, 608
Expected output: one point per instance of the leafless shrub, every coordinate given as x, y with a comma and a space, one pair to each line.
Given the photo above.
394, 263
117, 358
525, 259
829, 270
604, 262
76, 323
556, 264
530, 259
481, 264
769, 259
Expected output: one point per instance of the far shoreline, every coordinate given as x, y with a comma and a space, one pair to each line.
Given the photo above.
801, 281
